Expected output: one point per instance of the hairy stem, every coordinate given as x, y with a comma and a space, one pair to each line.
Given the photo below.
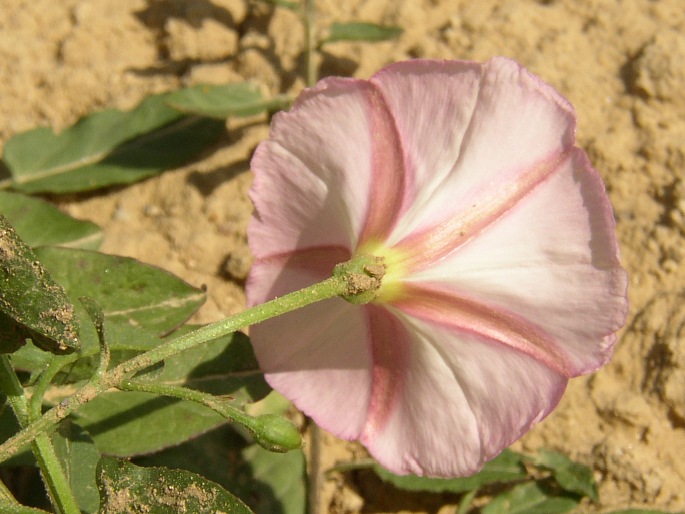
183, 393
51, 470
345, 283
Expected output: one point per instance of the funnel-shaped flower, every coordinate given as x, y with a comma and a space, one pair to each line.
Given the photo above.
503, 278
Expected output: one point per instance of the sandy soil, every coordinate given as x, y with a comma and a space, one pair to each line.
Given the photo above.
621, 63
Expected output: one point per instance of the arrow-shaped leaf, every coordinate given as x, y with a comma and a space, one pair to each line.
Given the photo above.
40, 223
240, 99
108, 147
360, 31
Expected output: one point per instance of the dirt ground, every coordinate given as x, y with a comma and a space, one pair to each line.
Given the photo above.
620, 62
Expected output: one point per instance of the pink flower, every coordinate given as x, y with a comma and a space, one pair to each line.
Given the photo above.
503, 276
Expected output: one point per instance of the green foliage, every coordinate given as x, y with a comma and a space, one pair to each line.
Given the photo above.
221, 102
140, 303
531, 498
32, 304
506, 467
269, 483
567, 484
135, 423
108, 147
359, 31
127, 290
125, 487
40, 223
78, 457
278, 480
571, 476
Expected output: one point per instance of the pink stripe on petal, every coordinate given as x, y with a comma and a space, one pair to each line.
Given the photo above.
344, 150
388, 179
447, 309
431, 103
553, 260
517, 127
428, 246
462, 400
390, 351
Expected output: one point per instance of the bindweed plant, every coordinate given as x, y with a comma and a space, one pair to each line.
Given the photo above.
435, 258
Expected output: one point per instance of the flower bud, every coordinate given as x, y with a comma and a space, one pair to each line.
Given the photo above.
276, 433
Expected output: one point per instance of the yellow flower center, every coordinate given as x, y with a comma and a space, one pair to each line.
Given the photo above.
391, 284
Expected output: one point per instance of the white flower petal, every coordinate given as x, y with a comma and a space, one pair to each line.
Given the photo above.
517, 126
462, 400
553, 260
317, 356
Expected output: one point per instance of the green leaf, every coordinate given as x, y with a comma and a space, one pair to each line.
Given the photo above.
506, 467
32, 304
213, 455
281, 479
132, 423
126, 340
572, 476
530, 498
465, 502
120, 422
226, 366
140, 302
79, 458
108, 147
126, 289
269, 483
360, 31
128, 488
40, 223
220, 102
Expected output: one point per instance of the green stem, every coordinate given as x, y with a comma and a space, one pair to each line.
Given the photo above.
5, 494
183, 393
309, 42
344, 283
465, 502
55, 480
275, 433
45, 380
314, 475
13, 390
